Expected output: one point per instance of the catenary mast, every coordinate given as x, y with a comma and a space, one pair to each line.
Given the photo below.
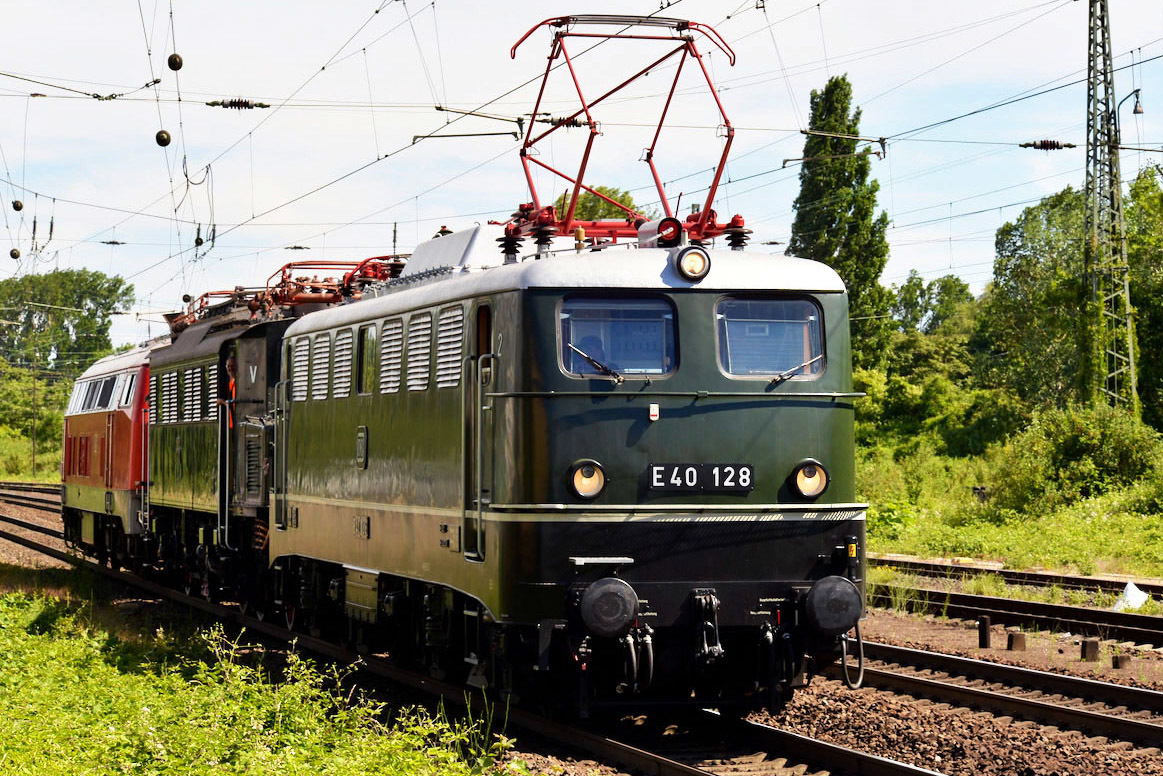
1109, 336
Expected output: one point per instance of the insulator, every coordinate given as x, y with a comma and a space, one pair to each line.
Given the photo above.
736, 237
17, 205
14, 253
510, 246
162, 137
186, 298
175, 62
1047, 145
198, 239
237, 103
544, 235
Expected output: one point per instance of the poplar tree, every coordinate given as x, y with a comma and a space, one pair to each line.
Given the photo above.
835, 219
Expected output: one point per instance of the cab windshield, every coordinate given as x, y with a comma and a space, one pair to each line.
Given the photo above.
626, 336
768, 337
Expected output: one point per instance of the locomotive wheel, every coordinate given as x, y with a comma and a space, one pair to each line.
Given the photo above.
251, 606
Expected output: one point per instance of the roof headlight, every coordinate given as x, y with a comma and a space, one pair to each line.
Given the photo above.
810, 479
588, 479
693, 263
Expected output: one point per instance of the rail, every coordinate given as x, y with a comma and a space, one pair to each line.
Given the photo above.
933, 569
899, 675
32, 487
1123, 626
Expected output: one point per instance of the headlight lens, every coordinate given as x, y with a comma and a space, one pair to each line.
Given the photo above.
693, 263
810, 479
588, 479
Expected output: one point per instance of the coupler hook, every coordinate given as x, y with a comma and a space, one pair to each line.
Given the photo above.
708, 649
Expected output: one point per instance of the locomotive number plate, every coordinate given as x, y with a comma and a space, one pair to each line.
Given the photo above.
701, 477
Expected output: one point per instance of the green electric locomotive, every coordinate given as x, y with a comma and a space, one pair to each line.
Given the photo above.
627, 473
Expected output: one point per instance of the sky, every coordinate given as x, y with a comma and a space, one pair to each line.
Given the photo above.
332, 170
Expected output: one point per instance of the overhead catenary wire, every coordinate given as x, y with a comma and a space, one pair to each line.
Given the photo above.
968, 51
860, 55
420, 55
388, 155
271, 114
823, 40
94, 205
736, 190
905, 136
90, 95
1001, 104
791, 95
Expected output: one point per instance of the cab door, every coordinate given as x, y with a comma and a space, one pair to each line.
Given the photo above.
480, 367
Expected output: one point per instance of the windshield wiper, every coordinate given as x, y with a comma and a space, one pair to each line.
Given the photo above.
788, 373
598, 365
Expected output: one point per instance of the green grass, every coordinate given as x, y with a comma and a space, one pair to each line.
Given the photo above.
16, 460
922, 504
75, 699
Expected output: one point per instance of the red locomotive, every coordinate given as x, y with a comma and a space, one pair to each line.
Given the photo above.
103, 470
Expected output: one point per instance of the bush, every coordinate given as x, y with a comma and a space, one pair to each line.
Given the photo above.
988, 417
870, 407
887, 520
1066, 455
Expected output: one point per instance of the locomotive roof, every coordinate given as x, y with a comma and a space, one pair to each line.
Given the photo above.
205, 338
119, 362
443, 271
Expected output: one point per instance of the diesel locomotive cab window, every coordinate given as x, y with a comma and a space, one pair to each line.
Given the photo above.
625, 337
127, 391
769, 337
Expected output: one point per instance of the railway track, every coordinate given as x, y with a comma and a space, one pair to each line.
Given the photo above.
935, 570
32, 502
32, 487
1068, 702
30, 526
707, 743
1120, 626
716, 745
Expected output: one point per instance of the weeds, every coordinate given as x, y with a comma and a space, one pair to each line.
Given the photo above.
905, 599
75, 699
984, 584
922, 503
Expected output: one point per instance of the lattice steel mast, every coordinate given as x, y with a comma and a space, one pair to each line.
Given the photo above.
1109, 340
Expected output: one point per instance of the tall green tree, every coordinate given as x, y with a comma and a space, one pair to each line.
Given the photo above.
1028, 331
910, 302
59, 320
950, 304
1143, 215
836, 220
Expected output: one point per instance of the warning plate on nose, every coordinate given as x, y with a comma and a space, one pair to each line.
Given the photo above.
701, 477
